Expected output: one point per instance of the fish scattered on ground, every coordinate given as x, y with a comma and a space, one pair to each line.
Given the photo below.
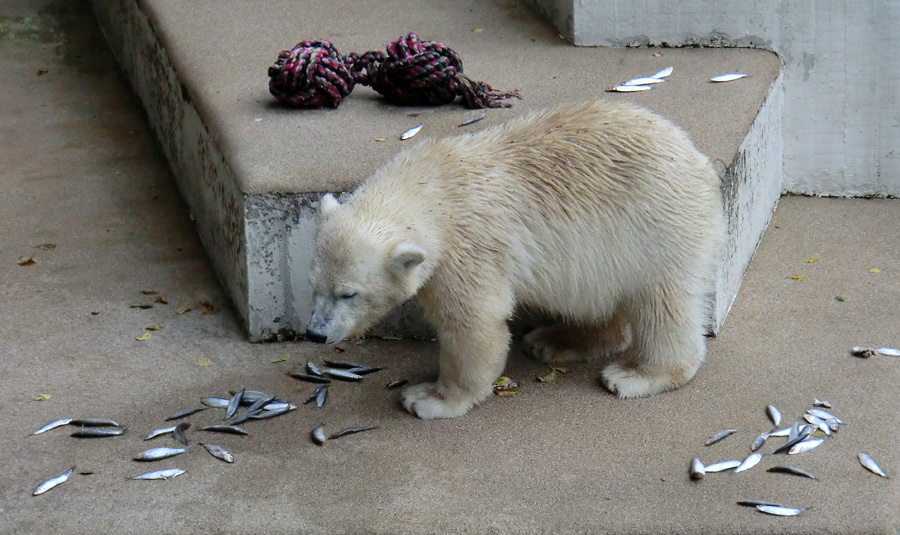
779, 510
309, 378
53, 425
663, 73
351, 430
781, 432
821, 403
727, 77
824, 415
157, 454
866, 460
475, 119
722, 466
216, 403
774, 415
98, 432
344, 375
759, 441
410, 133
790, 470
628, 88
805, 445
182, 414
219, 452
697, 469
95, 422
52, 482
233, 404
179, 432
752, 460
231, 429
312, 369
648, 80
318, 435
345, 364
719, 436
169, 473
161, 431
754, 503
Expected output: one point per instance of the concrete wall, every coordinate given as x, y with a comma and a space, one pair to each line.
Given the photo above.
841, 73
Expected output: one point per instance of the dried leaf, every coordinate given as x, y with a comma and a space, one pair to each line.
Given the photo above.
379, 139
160, 299
185, 307
549, 377
141, 305
810, 260
207, 308
26, 260
154, 327
797, 277
840, 298
42, 397
86, 472
202, 362
339, 349
143, 337
874, 270
46, 246
477, 30
280, 358
506, 387
149, 292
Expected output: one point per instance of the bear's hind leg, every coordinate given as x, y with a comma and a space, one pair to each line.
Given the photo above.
563, 342
668, 345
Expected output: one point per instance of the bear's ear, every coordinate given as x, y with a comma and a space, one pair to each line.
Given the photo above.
327, 205
405, 256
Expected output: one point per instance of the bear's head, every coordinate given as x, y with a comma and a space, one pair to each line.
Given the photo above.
362, 270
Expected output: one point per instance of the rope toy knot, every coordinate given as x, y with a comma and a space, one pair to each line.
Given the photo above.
422, 72
313, 74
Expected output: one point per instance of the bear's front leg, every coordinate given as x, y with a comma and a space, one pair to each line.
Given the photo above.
473, 348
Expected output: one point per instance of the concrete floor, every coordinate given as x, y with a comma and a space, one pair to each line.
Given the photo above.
81, 171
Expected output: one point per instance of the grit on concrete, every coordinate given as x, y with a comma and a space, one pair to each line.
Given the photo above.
81, 171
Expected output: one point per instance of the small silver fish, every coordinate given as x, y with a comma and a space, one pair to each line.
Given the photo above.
759, 441
318, 435
628, 88
818, 422
343, 375
649, 80
795, 430
98, 432
53, 425
52, 482
309, 378
824, 415
216, 403
781, 432
262, 415
805, 445
888, 352
722, 466
663, 73
471, 120
863, 352
312, 397
259, 404
178, 433
233, 404
410, 133
187, 412
312, 369
279, 405
345, 364
833, 424
219, 452
156, 454
232, 429
364, 370
779, 510
95, 422
803, 435
161, 474
774, 414
870, 464
250, 396
790, 470
752, 460
352, 430
697, 469
161, 431
321, 396
719, 436
754, 503
821, 403
727, 77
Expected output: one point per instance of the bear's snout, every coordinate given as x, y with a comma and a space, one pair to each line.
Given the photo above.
313, 336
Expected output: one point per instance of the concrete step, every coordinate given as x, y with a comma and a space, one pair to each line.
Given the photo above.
252, 171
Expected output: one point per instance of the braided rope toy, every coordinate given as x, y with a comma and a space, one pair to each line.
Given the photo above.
314, 74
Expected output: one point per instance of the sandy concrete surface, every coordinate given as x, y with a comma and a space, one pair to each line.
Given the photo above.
81, 171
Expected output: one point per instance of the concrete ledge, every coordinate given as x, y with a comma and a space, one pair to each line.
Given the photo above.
252, 171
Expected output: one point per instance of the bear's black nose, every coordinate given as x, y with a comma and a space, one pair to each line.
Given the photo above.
313, 336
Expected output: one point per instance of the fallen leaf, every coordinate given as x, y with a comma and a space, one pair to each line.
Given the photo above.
506, 387
154, 327
185, 307
339, 349
42, 397
380, 139
202, 362
414, 114
26, 260
142, 337
149, 292
874, 270
797, 277
840, 298
46, 246
549, 377
656, 54
141, 305
160, 299
86, 472
810, 260
477, 30
280, 358
207, 308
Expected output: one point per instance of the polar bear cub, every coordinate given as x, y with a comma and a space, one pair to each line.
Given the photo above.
604, 215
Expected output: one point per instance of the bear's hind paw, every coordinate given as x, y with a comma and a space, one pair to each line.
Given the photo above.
426, 401
631, 382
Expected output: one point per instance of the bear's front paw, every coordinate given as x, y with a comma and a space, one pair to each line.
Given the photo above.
428, 401
634, 382
543, 344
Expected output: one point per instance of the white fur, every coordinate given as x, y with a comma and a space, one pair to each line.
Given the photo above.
602, 214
